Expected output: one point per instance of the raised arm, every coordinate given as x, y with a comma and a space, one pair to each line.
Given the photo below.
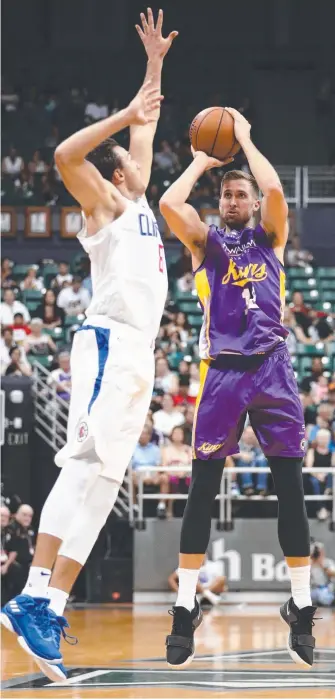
156, 47
81, 177
274, 208
182, 218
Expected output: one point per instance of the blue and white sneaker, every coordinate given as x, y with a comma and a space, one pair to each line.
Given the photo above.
57, 672
32, 621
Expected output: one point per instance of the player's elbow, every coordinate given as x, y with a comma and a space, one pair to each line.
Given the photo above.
60, 156
164, 205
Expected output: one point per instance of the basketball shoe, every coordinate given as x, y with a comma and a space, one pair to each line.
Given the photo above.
180, 644
39, 632
301, 642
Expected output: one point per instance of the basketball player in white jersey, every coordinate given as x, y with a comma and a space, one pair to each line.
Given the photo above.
112, 361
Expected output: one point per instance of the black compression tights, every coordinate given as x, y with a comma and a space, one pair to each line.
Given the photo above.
293, 530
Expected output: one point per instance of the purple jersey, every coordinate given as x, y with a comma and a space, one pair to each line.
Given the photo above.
241, 288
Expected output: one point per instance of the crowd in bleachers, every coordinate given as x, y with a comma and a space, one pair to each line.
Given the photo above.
42, 306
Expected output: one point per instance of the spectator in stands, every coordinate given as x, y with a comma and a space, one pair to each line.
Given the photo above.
146, 454
211, 583
96, 110
64, 277
31, 281
324, 419
74, 299
165, 158
194, 380
12, 163
52, 139
39, 343
60, 378
37, 165
184, 367
320, 456
296, 333
251, 455
313, 322
85, 268
49, 312
5, 558
20, 539
170, 311
182, 266
9, 97
322, 576
319, 390
182, 397
20, 330
7, 342
295, 256
10, 306
186, 283
176, 454
17, 366
164, 377
7, 279
188, 424
168, 417
183, 327
48, 190
312, 375
24, 185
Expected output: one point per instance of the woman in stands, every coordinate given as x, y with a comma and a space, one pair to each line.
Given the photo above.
51, 315
176, 454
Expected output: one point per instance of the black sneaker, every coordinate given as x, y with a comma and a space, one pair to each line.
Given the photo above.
301, 643
180, 644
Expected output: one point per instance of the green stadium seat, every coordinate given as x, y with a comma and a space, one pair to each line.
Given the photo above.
303, 284
326, 273
305, 364
43, 359
328, 296
310, 350
20, 271
32, 305
72, 320
184, 296
299, 272
326, 284
195, 320
57, 334
189, 306
32, 295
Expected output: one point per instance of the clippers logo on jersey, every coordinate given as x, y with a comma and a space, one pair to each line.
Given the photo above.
240, 276
148, 225
82, 432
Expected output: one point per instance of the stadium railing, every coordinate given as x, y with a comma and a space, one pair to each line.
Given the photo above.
225, 496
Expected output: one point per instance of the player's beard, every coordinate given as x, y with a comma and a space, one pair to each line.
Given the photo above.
237, 222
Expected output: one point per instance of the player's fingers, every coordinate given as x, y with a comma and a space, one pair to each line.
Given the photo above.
139, 31
228, 160
144, 23
173, 35
150, 18
159, 21
233, 112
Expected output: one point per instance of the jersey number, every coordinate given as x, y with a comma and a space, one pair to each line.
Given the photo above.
161, 258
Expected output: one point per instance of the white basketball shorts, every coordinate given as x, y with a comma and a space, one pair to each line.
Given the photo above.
112, 374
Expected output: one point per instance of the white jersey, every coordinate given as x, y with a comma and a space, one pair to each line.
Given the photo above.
128, 269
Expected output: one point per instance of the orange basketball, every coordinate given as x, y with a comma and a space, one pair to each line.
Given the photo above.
212, 131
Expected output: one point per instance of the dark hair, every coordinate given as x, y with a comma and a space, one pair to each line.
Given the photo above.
105, 158
184, 380
240, 175
12, 349
18, 314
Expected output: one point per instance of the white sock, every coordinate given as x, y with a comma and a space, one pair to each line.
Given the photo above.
212, 597
58, 600
37, 583
301, 586
188, 578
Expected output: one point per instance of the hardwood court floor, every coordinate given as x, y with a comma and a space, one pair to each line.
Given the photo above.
240, 653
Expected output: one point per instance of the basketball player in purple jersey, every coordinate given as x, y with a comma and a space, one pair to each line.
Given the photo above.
245, 369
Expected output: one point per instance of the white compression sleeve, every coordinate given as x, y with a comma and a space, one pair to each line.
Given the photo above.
89, 520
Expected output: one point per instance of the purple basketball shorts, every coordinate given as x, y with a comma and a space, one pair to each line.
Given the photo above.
262, 386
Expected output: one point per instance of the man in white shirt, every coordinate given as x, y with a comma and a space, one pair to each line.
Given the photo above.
167, 418
6, 344
62, 276
74, 299
96, 110
10, 306
211, 582
322, 576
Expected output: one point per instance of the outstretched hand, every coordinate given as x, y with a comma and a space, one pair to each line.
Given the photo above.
155, 44
143, 108
211, 162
